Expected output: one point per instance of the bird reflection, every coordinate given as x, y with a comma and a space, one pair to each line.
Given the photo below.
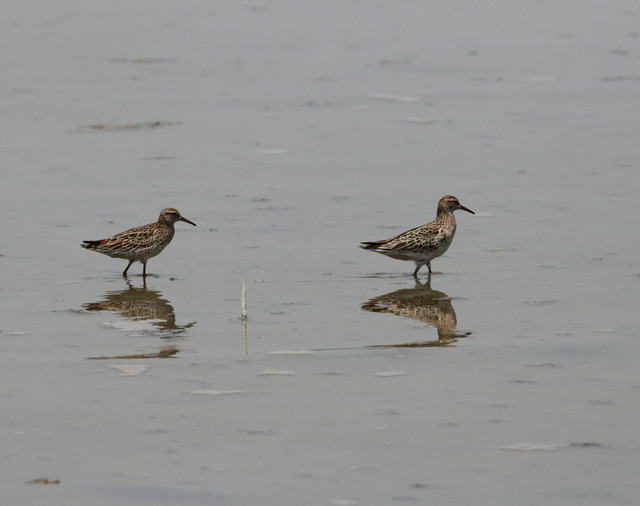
420, 303
141, 304
168, 352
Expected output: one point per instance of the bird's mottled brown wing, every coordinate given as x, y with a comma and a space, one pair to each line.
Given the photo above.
416, 238
133, 241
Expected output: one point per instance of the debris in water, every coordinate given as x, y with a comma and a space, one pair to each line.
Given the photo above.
143, 125
215, 392
388, 374
130, 369
276, 372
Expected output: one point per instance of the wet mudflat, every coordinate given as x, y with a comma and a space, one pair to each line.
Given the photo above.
289, 132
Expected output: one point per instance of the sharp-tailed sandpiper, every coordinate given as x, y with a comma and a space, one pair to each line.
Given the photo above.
141, 243
423, 244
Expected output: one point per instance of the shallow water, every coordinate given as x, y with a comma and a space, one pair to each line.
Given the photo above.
289, 132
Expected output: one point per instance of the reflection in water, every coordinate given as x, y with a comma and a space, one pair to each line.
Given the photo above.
162, 353
141, 305
423, 304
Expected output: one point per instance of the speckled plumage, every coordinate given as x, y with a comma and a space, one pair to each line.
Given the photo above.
423, 244
141, 243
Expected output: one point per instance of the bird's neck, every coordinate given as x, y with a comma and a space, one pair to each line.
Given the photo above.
445, 216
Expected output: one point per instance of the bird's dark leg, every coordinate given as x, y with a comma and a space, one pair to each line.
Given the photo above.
124, 274
144, 268
429, 265
415, 273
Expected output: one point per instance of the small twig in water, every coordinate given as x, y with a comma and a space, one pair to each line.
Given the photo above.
244, 319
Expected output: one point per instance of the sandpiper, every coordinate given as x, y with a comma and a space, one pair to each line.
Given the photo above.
423, 244
140, 243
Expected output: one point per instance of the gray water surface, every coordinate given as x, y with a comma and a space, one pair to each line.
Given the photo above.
289, 132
